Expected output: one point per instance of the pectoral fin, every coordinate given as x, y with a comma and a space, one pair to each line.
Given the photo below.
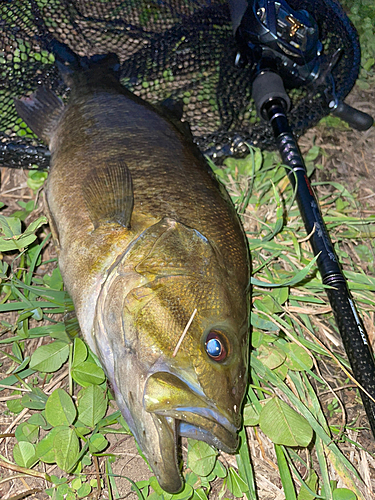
178, 251
41, 112
108, 193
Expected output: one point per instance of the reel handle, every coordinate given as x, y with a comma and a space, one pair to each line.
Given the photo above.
354, 117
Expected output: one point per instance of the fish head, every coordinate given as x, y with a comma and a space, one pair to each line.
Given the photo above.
172, 334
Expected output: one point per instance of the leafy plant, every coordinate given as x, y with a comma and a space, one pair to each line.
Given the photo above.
69, 426
362, 14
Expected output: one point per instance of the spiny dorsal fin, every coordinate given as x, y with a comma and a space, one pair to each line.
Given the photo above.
108, 192
173, 107
174, 110
41, 112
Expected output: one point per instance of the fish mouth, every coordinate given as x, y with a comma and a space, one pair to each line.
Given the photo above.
196, 417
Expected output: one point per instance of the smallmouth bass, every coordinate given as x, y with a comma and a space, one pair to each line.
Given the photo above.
147, 240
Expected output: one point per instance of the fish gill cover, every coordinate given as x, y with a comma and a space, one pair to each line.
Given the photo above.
176, 49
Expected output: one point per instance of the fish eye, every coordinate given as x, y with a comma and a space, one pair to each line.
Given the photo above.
216, 346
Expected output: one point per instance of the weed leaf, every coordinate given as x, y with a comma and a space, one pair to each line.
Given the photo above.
27, 432
60, 409
200, 494
24, 454
312, 483
35, 400
45, 448
84, 491
66, 447
92, 405
297, 278
158, 490
13, 239
283, 425
10, 226
250, 416
262, 324
185, 494
235, 484
343, 494
271, 356
88, 373
297, 358
201, 457
80, 352
49, 358
14, 405
219, 470
97, 443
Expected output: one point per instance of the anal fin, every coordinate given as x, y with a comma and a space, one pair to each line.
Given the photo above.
108, 193
52, 224
72, 327
41, 112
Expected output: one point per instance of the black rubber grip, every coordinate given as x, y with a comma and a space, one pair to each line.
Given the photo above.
356, 344
353, 117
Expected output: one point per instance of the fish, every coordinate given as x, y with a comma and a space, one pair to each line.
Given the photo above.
154, 257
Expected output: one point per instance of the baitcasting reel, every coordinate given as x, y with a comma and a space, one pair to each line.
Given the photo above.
274, 37
289, 38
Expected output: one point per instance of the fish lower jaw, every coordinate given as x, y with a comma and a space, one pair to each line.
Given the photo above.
170, 396
213, 429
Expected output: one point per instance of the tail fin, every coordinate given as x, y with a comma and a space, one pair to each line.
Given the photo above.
62, 52
66, 59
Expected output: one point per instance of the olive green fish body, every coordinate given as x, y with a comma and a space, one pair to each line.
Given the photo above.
147, 238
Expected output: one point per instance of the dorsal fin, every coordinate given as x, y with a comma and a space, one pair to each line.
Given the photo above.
40, 111
173, 107
174, 110
108, 193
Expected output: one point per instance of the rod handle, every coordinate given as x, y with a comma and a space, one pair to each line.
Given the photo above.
356, 344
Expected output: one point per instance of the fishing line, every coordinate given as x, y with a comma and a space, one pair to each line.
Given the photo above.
184, 333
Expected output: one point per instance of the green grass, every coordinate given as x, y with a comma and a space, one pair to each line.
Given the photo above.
70, 426
362, 14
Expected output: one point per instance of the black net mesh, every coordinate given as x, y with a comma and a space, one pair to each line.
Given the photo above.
183, 49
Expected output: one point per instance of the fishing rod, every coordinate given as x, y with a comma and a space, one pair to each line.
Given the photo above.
284, 48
